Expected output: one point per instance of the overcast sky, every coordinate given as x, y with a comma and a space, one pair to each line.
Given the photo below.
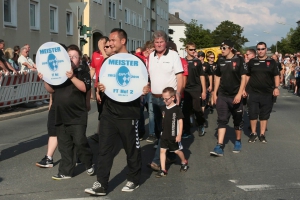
256, 16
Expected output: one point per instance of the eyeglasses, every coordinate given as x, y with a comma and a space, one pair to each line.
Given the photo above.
258, 49
166, 99
192, 49
106, 47
224, 47
212, 57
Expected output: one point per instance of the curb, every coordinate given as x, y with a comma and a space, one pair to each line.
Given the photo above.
22, 112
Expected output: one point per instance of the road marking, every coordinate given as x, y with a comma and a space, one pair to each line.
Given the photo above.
88, 198
234, 181
249, 188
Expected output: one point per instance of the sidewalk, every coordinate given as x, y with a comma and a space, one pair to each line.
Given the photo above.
22, 111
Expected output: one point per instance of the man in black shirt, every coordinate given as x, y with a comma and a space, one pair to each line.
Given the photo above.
262, 86
194, 92
230, 80
212, 66
118, 119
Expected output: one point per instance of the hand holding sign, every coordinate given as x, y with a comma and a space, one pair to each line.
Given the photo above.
123, 77
52, 61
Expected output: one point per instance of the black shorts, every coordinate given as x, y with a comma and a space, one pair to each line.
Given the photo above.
260, 105
51, 123
171, 145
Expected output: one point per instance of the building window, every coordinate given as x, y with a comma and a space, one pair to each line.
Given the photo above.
34, 14
69, 22
10, 12
120, 24
120, 4
112, 10
148, 4
98, 1
148, 25
53, 19
127, 16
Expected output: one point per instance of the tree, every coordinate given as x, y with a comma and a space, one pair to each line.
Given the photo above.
197, 34
295, 40
231, 31
287, 44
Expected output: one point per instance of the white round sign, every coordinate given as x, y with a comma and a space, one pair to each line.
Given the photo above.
52, 60
124, 77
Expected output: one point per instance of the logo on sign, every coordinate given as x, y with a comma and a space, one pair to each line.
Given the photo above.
123, 76
52, 62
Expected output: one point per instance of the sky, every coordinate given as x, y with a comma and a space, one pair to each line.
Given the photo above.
262, 20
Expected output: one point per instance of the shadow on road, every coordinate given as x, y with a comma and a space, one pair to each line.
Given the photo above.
23, 147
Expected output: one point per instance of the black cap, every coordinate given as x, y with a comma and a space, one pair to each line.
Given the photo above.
201, 53
228, 43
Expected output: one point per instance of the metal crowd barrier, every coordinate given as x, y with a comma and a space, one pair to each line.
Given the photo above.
21, 88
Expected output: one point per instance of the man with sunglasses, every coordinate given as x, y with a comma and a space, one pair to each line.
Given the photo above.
230, 80
212, 66
194, 92
262, 85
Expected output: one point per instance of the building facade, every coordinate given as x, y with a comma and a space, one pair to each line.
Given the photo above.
35, 22
177, 27
139, 18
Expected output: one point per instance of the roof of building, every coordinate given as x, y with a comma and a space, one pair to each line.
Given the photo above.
174, 19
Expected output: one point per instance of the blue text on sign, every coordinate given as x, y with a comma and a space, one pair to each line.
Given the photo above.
50, 50
123, 62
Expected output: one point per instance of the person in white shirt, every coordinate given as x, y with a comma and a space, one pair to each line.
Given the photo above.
24, 61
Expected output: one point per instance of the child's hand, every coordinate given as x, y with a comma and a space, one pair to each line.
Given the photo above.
178, 138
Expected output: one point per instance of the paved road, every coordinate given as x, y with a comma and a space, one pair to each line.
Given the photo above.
260, 171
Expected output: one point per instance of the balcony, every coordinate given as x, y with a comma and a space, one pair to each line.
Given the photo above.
153, 15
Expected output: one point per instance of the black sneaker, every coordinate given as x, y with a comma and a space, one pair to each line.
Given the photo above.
252, 138
184, 167
129, 187
151, 139
97, 189
60, 177
262, 138
45, 162
161, 173
211, 110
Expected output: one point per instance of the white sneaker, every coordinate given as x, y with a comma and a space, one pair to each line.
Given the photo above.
38, 103
46, 102
91, 170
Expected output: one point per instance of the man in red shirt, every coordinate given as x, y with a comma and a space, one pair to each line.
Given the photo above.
96, 63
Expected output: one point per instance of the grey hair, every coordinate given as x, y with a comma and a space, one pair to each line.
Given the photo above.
160, 34
21, 50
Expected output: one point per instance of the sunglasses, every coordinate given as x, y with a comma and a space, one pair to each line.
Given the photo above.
224, 47
106, 47
258, 49
192, 49
167, 99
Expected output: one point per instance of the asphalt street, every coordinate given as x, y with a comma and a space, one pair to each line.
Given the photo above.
259, 171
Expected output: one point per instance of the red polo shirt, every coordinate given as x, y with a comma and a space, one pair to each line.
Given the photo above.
96, 63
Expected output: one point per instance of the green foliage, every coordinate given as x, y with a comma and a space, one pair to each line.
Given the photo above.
197, 34
289, 44
231, 31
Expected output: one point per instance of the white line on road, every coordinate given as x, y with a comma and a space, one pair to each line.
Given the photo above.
88, 198
248, 188
234, 181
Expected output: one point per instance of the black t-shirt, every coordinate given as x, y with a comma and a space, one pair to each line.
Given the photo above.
261, 74
2, 57
195, 70
121, 110
230, 71
69, 102
170, 123
207, 72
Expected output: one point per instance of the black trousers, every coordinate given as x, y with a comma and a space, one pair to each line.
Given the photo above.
71, 139
110, 130
192, 100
